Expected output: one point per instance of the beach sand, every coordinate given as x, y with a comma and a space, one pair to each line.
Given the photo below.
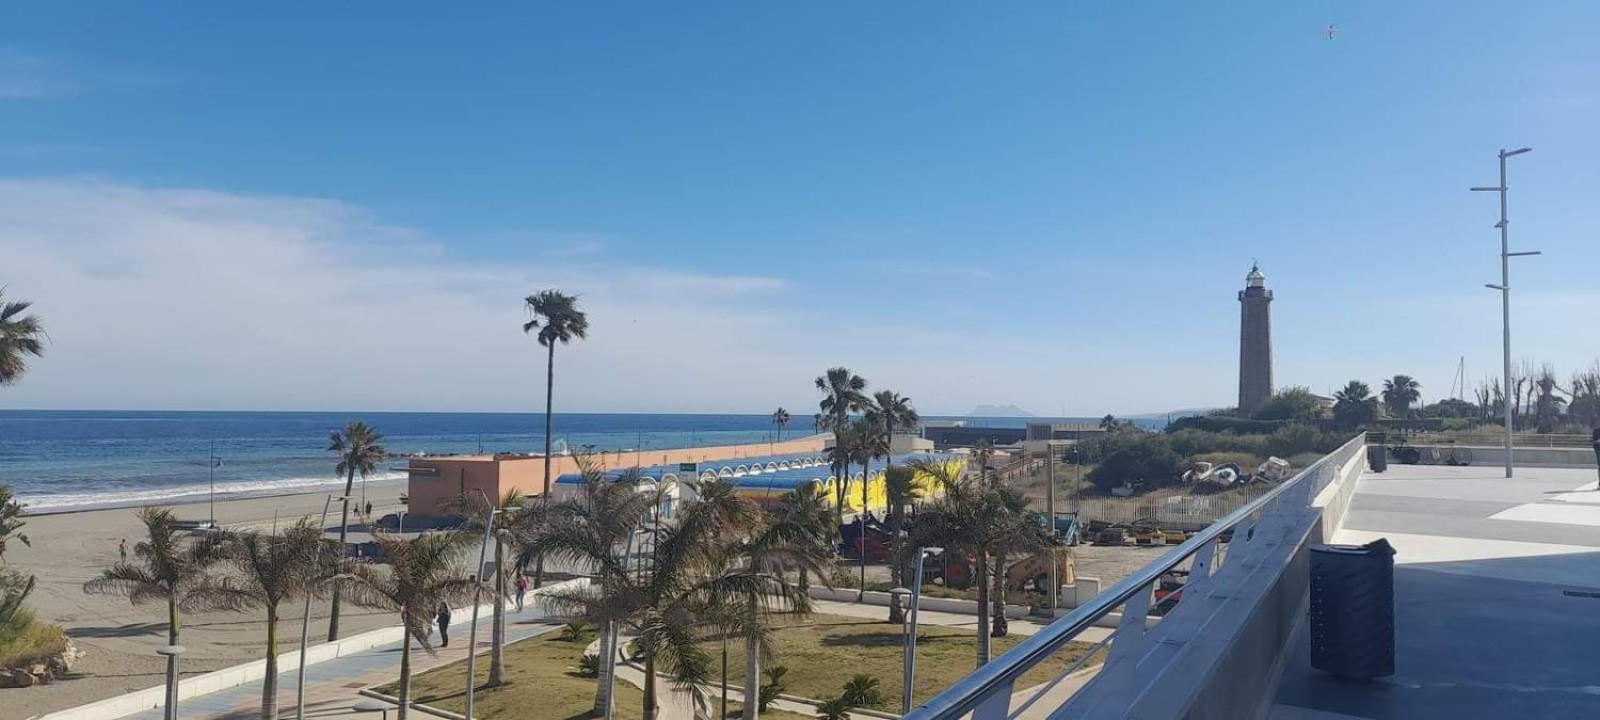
120, 639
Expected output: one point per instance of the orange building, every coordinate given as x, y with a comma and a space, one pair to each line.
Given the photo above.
436, 481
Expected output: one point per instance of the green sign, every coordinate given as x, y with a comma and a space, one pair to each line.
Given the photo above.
688, 467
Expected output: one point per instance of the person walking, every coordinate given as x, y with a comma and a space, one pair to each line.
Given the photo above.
443, 618
122, 547
369, 509
522, 589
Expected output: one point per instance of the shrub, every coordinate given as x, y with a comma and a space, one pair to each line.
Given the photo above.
862, 690
24, 641
589, 666
576, 631
1294, 439
1293, 403
1217, 424
835, 709
773, 687
1151, 462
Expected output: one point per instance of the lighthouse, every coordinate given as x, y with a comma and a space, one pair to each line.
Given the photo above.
1255, 342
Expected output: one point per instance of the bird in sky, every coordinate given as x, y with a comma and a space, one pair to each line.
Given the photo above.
1332, 31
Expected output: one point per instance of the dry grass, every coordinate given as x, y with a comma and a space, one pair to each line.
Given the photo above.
823, 651
542, 684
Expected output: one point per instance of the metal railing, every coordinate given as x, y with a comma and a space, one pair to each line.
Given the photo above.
1251, 532
1484, 439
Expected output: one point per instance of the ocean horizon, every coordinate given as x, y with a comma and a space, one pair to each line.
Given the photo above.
76, 459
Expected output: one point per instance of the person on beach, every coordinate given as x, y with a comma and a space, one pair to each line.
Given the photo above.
122, 547
443, 618
369, 509
522, 589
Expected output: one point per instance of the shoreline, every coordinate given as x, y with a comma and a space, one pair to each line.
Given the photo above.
200, 498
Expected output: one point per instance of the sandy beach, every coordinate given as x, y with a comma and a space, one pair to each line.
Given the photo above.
120, 639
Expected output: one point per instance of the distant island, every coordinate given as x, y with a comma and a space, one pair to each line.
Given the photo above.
999, 411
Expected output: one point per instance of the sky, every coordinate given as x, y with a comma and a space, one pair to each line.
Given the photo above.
302, 206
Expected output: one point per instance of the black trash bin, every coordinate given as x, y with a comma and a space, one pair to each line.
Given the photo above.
1377, 458
1352, 609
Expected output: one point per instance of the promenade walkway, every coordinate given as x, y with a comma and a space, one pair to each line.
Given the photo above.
332, 686
1497, 598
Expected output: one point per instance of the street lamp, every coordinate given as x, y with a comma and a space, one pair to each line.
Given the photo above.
477, 600
305, 619
1505, 291
909, 672
171, 653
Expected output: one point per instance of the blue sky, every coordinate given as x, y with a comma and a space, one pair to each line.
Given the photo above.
1043, 204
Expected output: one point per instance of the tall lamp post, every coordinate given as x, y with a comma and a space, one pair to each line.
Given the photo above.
909, 671
305, 622
472, 634
1505, 291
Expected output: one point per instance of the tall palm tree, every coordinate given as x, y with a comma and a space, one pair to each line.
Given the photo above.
20, 335
167, 568
843, 392
269, 570
422, 574
840, 456
360, 450
780, 418
775, 546
559, 320
1354, 405
971, 519
588, 528
1020, 534
1398, 394
900, 486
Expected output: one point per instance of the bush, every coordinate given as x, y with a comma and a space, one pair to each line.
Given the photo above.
24, 641
862, 690
1149, 462
589, 666
1293, 403
1293, 439
576, 631
773, 687
1219, 424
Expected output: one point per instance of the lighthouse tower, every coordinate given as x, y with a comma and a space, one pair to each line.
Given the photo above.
1255, 342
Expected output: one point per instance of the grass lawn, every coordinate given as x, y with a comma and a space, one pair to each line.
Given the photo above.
823, 651
542, 684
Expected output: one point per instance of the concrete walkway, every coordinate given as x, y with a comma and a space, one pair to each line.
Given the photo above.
331, 686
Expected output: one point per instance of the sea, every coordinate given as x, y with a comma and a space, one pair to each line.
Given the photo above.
60, 460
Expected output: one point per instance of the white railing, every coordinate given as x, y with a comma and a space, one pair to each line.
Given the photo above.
1230, 562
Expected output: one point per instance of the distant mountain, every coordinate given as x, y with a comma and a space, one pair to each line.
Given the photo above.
999, 411
1173, 414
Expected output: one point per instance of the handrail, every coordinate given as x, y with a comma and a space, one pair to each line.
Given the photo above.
967, 693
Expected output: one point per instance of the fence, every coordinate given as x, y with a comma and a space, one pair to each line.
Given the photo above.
1168, 509
1484, 439
1214, 649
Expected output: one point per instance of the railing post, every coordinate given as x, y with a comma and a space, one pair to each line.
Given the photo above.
1127, 644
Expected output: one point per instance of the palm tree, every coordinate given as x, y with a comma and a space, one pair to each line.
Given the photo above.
693, 570
835, 709
10, 519
269, 571
1354, 405
20, 335
840, 456
805, 508
970, 519
1020, 533
867, 441
167, 567
588, 529
1398, 394
781, 419
900, 485
983, 452
473, 508
360, 449
776, 545
843, 392
557, 318
423, 573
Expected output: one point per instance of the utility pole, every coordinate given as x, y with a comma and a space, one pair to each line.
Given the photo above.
1505, 290
1050, 508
